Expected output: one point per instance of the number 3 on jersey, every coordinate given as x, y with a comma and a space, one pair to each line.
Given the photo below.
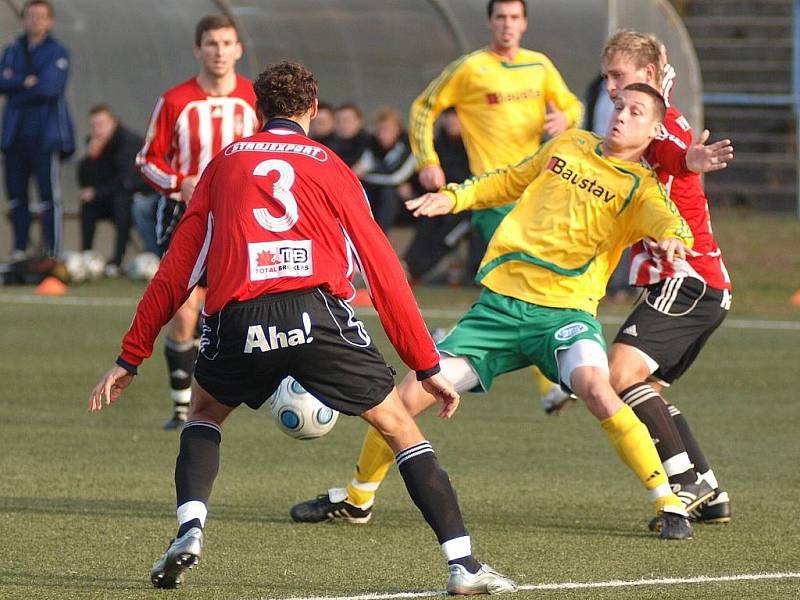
282, 192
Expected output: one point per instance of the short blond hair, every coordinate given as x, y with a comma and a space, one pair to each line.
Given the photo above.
640, 48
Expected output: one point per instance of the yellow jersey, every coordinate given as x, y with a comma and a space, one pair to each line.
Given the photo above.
576, 211
501, 105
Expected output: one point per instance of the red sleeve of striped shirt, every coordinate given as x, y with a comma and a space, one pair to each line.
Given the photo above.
152, 158
385, 278
178, 273
668, 150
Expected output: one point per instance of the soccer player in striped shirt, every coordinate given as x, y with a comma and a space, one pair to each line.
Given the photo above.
190, 124
685, 301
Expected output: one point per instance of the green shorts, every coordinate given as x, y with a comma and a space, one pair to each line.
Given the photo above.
500, 334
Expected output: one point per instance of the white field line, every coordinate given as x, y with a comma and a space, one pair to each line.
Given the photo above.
435, 313
569, 585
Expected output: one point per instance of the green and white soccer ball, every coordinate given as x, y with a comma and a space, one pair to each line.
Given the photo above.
143, 267
95, 264
76, 267
298, 414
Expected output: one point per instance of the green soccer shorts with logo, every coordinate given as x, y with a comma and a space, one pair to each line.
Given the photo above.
500, 334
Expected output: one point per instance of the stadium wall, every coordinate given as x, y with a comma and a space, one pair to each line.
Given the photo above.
373, 53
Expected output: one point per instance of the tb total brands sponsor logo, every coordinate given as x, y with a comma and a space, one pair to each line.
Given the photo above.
283, 258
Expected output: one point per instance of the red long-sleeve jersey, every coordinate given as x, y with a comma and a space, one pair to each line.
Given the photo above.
278, 212
667, 155
189, 127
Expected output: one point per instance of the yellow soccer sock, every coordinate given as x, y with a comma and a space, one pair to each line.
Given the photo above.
635, 447
545, 385
373, 463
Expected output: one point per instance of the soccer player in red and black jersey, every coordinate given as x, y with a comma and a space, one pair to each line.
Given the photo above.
278, 223
191, 123
684, 301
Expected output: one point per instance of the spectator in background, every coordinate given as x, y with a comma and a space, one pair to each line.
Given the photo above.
323, 127
351, 140
388, 167
108, 178
435, 237
144, 214
37, 130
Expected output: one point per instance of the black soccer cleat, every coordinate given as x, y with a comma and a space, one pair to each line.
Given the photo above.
672, 526
181, 555
715, 511
332, 506
693, 495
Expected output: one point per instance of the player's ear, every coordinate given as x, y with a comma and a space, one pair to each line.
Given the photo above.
651, 71
656, 128
314, 109
239, 50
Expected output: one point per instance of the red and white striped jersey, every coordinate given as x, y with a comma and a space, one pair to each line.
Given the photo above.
667, 155
189, 127
273, 213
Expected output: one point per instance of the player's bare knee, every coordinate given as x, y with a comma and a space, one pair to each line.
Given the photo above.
627, 367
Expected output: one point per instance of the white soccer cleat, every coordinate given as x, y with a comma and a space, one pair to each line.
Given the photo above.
554, 401
183, 554
486, 581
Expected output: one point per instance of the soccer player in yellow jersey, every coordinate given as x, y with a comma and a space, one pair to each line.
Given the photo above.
581, 200
507, 98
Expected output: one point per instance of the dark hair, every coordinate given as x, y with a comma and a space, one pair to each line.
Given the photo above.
658, 99
100, 108
45, 3
490, 6
324, 106
285, 89
212, 23
350, 106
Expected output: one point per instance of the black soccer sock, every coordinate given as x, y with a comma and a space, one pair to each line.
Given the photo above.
651, 409
181, 357
689, 441
195, 470
468, 562
431, 490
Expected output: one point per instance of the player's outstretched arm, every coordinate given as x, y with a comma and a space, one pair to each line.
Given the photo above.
440, 388
111, 386
431, 205
702, 158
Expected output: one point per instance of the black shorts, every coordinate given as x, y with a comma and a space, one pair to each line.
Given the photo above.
249, 347
168, 214
673, 322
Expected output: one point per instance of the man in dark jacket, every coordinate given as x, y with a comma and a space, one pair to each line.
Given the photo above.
37, 131
108, 178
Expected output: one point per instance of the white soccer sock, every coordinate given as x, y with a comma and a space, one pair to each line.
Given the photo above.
710, 478
457, 548
194, 509
677, 464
